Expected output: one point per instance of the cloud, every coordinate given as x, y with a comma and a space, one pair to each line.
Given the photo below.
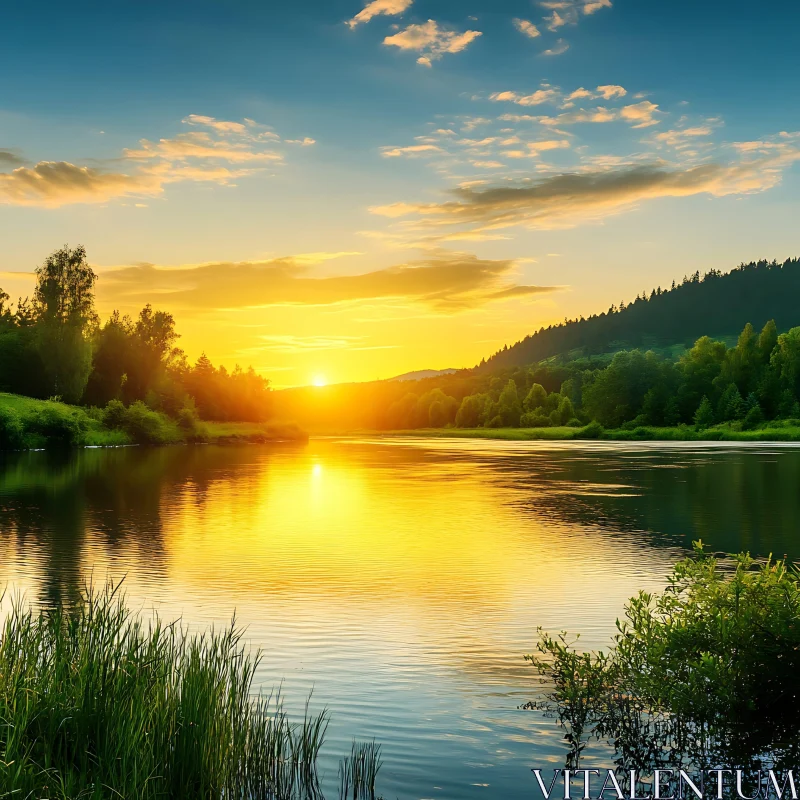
568, 198
431, 41
221, 154
9, 159
536, 98
568, 12
526, 27
445, 280
307, 141
378, 7
411, 150
57, 183
557, 49
611, 91
640, 113
683, 137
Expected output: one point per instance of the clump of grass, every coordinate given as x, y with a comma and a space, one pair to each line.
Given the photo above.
358, 772
97, 703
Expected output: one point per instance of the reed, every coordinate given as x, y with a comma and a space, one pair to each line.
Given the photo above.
96, 702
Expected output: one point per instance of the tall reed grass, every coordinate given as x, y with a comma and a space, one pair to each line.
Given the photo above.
97, 703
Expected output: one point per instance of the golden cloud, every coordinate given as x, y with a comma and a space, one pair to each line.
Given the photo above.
568, 198
378, 7
431, 40
446, 280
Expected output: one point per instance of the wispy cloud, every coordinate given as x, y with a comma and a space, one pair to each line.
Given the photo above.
411, 150
222, 153
56, 183
378, 7
565, 199
560, 47
10, 159
446, 281
431, 41
526, 27
538, 97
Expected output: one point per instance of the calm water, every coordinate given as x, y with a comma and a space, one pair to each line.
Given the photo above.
401, 580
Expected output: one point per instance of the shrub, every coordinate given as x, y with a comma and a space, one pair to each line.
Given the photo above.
189, 423
535, 419
114, 414
594, 430
574, 423
11, 430
59, 425
706, 669
145, 426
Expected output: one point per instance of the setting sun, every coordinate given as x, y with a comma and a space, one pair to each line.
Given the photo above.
319, 380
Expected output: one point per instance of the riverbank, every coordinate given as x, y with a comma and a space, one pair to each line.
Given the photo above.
26, 424
776, 431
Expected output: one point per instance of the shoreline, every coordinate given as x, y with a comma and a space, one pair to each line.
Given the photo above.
721, 433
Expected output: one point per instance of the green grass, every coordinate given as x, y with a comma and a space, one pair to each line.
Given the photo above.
770, 432
26, 423
97, 703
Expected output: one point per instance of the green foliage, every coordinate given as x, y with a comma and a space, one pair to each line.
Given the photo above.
97, 703
535, 419
705, 671
704, 416
146, 426
758, 291
594, 430
57, 424
536, 398
472, 411
114, 414
11, 429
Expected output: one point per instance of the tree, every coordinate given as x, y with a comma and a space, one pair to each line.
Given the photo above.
536, 397
472, 411
508, 407
64, 306
704, 416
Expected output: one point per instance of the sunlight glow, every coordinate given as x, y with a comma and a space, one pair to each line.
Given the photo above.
319, 380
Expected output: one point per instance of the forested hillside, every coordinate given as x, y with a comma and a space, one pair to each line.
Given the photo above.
713, 304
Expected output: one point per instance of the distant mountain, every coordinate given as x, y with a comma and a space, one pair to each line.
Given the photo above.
715, 304
421, 374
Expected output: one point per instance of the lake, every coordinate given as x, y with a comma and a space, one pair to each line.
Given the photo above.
397, 581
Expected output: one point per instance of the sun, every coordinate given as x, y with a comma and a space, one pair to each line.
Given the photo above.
319, 380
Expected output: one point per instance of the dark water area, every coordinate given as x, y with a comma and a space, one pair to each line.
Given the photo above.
400, 580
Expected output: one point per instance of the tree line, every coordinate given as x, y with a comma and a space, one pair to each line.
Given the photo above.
715, 303
53, 345
755, 380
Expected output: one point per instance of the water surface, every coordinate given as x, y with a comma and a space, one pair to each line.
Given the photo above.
401, 580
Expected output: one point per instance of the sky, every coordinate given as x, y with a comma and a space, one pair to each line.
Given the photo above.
335, 191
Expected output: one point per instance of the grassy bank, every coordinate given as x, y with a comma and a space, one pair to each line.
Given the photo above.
26, 423
778, 431
98, 703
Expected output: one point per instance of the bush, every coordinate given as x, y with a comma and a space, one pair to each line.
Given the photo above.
94, 697
535, 419
114, 414
574, 423
706, 669
189, 423
11, 430
146, 426
59, 425
594, 430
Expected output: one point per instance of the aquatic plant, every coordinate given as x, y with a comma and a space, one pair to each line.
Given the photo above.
704, 672
96, 702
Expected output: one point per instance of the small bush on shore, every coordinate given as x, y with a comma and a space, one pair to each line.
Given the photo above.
705, 672
11, 430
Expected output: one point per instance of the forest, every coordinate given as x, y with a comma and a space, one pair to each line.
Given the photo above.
53, 346
713, 304
756, 380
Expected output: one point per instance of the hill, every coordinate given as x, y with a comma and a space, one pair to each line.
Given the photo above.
716, 304
421, 374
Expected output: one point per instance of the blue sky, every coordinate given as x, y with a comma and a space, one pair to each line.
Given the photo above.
322, 188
